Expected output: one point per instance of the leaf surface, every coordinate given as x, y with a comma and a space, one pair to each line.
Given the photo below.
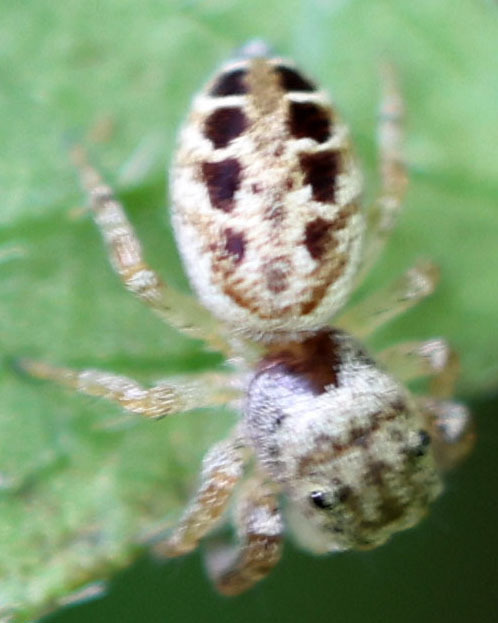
81, 486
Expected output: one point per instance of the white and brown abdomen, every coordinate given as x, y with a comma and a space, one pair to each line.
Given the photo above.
265, 199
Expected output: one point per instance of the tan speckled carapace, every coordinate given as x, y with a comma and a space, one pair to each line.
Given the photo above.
266, 199
268, 219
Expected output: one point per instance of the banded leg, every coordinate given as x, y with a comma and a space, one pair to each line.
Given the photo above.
177, 309
174, 396
259, 529
390, 301
222, 469
382, 215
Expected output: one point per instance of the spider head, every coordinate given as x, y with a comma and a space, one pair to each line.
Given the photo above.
345, 440
356, 497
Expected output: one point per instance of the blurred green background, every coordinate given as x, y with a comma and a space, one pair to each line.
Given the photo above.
81, 485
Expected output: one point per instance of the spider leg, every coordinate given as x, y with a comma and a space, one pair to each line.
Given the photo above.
382, 215
179, 310
390, 301
430, 358
452, 431
449, 422
172, 396
222, 468
259, 528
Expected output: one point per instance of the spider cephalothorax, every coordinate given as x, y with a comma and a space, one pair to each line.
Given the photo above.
267, 215
345, 441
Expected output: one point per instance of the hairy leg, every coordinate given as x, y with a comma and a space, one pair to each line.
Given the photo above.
179, 310
382, 215
259, 529
172, 396
222, 469
394, 299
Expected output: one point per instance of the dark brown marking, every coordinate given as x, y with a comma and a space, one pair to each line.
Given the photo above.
316, 361
230, 83
222, 180
390, 508
399, 405
320, 171
362, 438
332, 265
244, 299
276, 280
309, 306
327, 447
343, 216
223, 125
308, 120
277, 270
235, 244
320, 290
344, 493
292, 80
376, 471
317, 237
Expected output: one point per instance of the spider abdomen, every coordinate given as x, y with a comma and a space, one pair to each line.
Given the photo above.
266, 199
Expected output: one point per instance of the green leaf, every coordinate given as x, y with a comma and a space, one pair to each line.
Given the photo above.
81, 486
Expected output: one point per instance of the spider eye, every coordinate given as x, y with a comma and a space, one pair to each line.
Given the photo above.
321, 500
423, 444
425, 438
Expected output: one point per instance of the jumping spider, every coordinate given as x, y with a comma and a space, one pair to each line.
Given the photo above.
267, 216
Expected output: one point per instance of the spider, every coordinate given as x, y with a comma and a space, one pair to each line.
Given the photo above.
266, 212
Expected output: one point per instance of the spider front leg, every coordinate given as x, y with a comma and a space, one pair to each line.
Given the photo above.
382, 215
451, 428
260, 532
222, 468
449, 422
177, 309
175, 396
